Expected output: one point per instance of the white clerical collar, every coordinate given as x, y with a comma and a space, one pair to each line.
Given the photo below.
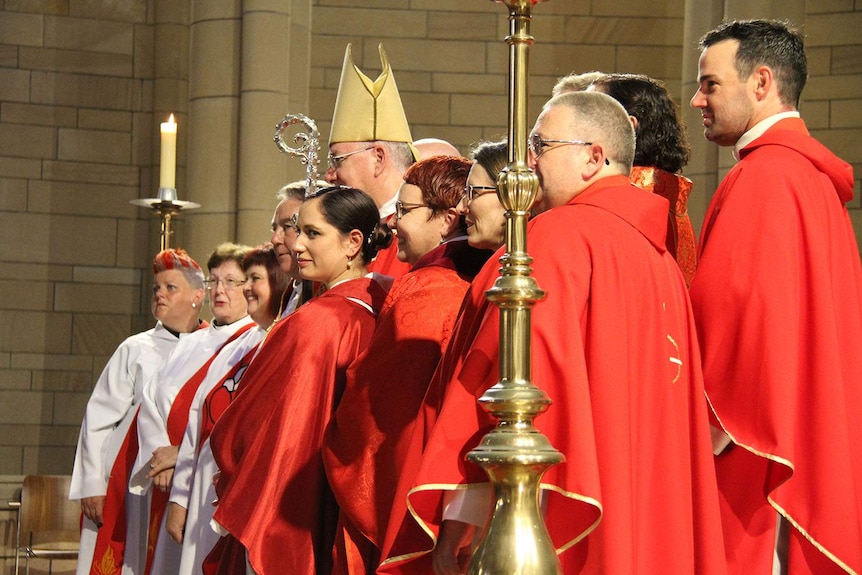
759, 129
293, 300
388, 208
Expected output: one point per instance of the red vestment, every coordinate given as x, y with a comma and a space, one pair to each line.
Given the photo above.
675, 189
614, 346
371, 429
404, 535
778, 302
273, 494
387, 262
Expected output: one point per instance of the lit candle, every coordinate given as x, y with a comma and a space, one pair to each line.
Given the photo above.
168, 165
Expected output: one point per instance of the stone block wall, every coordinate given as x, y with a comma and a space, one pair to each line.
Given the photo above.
75, 136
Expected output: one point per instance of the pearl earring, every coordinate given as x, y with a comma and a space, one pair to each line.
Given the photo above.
194, 305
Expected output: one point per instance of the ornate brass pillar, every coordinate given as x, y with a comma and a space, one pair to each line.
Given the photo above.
515, 455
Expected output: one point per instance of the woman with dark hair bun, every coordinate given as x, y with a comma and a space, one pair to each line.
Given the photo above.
369, 436
273, 496
661, 152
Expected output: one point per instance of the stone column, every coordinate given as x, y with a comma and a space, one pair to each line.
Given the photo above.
213, 125
700, 16
274, 82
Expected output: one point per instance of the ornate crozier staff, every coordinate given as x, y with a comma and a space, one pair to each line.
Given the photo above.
308, 146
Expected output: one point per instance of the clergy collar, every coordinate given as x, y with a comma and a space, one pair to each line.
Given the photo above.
759, 129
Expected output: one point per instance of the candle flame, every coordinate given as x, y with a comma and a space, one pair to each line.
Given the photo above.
171, 120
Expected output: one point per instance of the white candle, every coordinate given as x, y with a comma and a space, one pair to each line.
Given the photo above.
168, 165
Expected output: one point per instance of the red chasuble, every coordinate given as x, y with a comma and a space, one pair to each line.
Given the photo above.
273, 494
404, 535
387, 262
367, 438
614, 346
675, 189
778, 303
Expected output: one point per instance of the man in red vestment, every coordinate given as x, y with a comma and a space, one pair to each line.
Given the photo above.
777, 298
370, 145
614, 347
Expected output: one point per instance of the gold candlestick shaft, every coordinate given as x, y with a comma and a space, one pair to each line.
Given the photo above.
515, 455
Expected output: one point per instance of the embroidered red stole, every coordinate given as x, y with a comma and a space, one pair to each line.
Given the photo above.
221, 396
111, 536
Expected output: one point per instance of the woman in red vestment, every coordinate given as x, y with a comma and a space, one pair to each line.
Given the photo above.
369, 435
274, 498
485, 219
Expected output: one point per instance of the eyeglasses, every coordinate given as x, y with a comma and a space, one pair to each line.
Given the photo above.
401, 208
335, 161
289, 225
470, 192
537, 144
228, 283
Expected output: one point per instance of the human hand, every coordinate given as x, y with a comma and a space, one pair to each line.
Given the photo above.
175, 521
163, 480
164, 457
452, 552
92, 508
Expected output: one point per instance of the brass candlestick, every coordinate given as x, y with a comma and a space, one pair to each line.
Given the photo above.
166, 206
515, 455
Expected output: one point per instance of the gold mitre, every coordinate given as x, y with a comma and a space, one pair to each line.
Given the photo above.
367, 110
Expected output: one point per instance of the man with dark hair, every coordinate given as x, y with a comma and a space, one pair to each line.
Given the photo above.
778, 301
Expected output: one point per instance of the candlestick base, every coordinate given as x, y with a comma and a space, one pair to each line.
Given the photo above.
166, 206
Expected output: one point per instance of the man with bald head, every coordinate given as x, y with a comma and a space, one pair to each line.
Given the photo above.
428, 147
614, 347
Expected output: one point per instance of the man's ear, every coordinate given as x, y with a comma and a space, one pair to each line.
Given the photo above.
597, 160
381, 158
764, 82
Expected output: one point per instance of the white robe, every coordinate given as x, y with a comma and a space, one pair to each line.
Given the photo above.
158, 397
109, 413
193, 486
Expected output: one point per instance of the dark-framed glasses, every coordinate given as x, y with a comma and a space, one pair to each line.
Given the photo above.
228, 283
401, 208
471, 192
335, 161
537, 144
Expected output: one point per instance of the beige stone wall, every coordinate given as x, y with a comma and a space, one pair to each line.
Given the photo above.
75, 145
84, 83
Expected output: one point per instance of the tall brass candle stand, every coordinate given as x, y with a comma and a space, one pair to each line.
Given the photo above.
515, 455
166, 206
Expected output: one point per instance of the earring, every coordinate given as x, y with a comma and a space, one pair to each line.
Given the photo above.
349, 262
194, 305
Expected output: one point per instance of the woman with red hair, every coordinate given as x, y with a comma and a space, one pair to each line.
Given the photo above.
369, 434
